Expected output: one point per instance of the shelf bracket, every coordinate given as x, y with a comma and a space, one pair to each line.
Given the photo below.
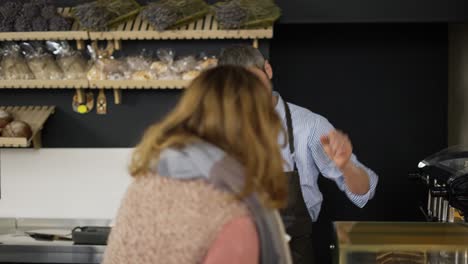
255, 43
117, 44
117, 96
37, 139
80, 44
101, 106
80, 96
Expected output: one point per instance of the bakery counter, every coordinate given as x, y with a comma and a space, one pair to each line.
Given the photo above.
400, 242
46, 241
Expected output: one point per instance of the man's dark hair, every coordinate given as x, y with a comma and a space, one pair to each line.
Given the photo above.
242, 55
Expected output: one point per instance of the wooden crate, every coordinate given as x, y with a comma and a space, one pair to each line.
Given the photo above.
35, 116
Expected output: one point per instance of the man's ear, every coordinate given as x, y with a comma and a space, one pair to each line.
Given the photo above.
268, 69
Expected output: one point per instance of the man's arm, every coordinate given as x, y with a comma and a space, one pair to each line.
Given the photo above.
338, 148
332, 154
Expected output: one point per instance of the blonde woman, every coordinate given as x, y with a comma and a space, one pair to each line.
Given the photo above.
207, 180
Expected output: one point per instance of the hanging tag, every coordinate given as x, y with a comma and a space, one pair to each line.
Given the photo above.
101, 105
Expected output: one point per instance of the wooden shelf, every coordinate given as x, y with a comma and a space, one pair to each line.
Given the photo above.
128, 84
139, 29
35, 116
85, 84
43, 84
205, 28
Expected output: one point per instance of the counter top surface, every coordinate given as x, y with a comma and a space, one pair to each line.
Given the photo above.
398, 235
17, 246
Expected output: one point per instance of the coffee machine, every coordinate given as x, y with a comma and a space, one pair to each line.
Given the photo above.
445, 174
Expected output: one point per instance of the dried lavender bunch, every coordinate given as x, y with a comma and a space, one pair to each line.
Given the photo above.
58, 23
40, 24
118, 7
160, 16
164, 14
230, 14
23, 24
92, 16
10, 9
246, 13
41, 3
7, 24
31, 10
98, 14
48, 12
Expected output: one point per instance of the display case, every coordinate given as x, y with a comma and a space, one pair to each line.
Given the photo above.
400, 242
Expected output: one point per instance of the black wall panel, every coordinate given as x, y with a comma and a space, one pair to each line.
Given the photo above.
344, 11
386, 86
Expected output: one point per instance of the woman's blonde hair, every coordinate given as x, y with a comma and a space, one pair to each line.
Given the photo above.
229, 107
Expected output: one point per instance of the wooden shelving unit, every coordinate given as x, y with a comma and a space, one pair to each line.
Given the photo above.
35, 116
135, 29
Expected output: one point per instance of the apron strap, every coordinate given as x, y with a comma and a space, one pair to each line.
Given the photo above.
289, 126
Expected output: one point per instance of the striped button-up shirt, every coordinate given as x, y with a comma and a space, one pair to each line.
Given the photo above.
311, 159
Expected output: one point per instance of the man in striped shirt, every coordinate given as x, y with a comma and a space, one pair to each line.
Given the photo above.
315, 147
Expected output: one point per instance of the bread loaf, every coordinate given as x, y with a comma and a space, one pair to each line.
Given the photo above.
5, 118
17, 129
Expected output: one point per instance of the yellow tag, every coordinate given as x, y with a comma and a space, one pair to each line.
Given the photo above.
82, 109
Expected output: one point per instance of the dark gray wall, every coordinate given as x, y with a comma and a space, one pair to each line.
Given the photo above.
383, 84
344, 11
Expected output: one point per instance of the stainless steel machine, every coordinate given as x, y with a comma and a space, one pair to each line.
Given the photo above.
445, 174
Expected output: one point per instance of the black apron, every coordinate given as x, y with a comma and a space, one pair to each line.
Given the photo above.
295, 216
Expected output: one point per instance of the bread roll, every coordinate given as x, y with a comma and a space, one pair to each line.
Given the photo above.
190, 75
5, 119
17, 129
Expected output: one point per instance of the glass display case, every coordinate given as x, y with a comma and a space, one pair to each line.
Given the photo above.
401, 242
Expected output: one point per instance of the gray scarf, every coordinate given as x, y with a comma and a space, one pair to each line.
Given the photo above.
204, 160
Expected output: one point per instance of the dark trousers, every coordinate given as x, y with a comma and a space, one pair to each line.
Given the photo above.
302, 250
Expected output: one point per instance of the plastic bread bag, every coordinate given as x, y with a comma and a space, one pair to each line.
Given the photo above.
185, 67
94, 74
41, 63
14, 66
71, 62
184, 64
140, 62
115, 69
143, 75
190, 75
105, 66
140, 67
163, 67
206, 62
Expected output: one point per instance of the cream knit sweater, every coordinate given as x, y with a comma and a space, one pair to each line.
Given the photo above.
169, 221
